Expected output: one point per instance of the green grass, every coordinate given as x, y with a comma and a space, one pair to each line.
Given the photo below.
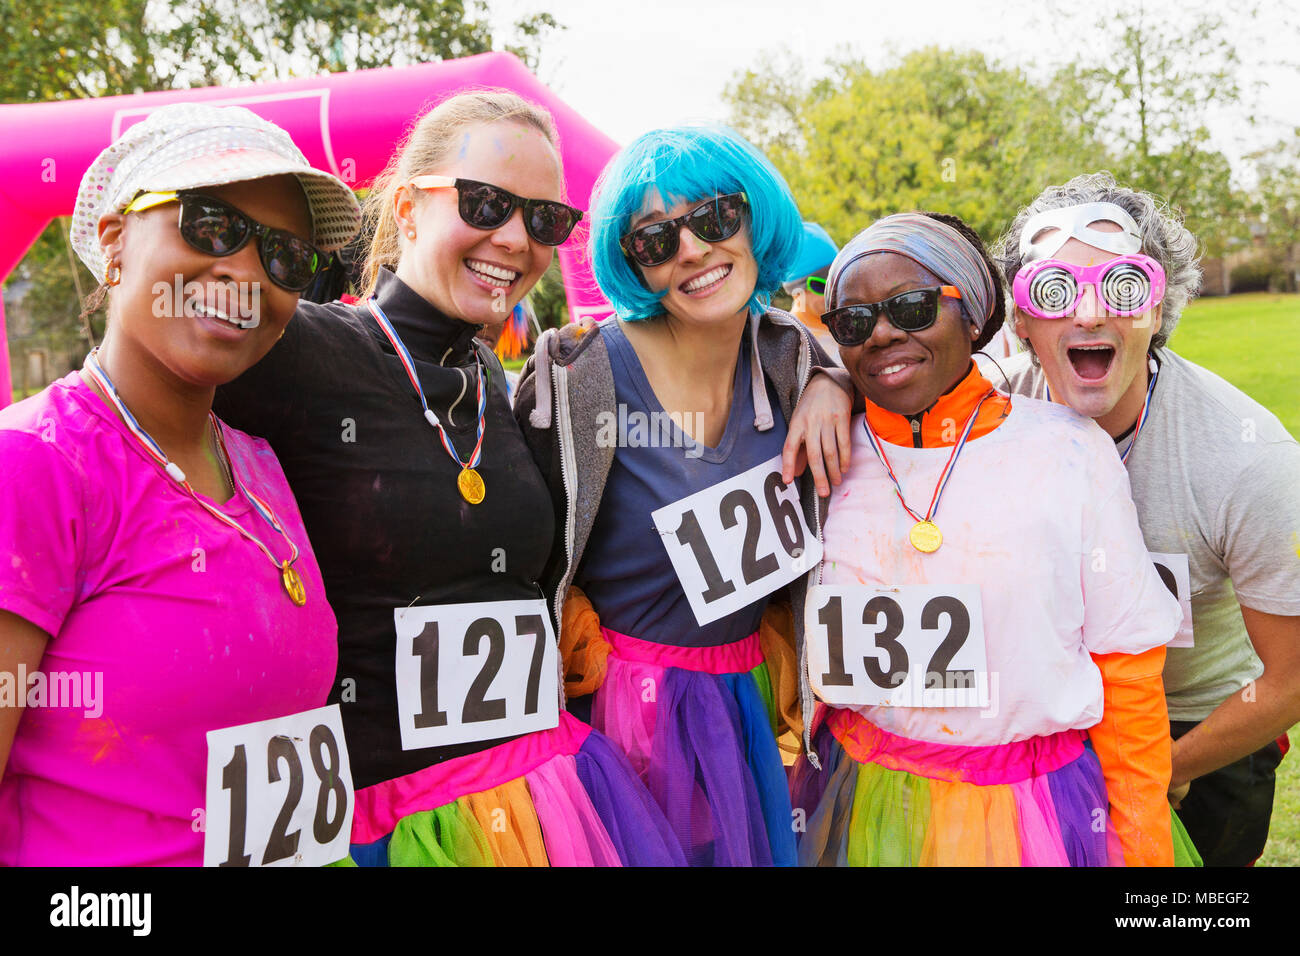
1253, 341
1283, 848
514, 365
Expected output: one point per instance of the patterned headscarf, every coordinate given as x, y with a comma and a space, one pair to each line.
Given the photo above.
930, 243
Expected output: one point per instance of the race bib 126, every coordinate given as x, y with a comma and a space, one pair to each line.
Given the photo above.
737, 541
915, 646
279, 792
1175, 572
469, 672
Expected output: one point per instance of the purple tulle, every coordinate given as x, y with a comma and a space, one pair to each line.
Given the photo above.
635, 824
1082, 812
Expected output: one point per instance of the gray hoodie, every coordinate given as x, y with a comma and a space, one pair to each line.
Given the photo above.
566, 386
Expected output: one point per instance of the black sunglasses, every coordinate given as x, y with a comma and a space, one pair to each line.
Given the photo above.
910, 311
712, 220
218, 229
485, 206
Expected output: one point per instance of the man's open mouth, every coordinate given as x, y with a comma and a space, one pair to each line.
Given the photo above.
1092, 363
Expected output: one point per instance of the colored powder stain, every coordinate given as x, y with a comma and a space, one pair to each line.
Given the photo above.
464, 146
947, 730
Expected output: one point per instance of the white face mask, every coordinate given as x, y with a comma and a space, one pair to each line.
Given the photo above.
1074, 222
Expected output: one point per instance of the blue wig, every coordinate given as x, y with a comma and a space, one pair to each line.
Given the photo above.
690, 163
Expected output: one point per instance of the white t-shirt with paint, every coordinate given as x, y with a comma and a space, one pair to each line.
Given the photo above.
1215, 476
1038, 515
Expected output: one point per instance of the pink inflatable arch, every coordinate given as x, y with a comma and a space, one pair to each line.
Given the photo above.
347, 123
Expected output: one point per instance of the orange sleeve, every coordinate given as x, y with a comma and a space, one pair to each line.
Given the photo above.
776, 636
1133, 746
583, 649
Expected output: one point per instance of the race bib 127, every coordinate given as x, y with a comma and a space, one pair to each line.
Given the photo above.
914, 646
470, 672
279, 792
737, 541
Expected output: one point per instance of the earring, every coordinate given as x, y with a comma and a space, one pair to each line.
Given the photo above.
113, 274
410, 234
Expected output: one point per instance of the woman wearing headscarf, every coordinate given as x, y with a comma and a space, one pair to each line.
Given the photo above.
986, 622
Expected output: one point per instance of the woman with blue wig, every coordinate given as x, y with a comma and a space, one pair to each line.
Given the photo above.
990, 662
692, 228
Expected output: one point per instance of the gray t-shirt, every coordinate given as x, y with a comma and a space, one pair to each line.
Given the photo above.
1215, 476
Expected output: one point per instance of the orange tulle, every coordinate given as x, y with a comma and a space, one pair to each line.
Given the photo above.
509, 823
776, 636
958, 810
1133, 747
582, 647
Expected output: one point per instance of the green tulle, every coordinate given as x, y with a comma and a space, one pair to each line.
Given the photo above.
891, 811
764, 681
445, 836
1184, 850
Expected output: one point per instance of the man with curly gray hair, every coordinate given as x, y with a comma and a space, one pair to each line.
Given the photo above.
1099, 275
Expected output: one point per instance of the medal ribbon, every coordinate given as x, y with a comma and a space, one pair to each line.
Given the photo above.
1142, 415
879, 449
155, 452
430, 416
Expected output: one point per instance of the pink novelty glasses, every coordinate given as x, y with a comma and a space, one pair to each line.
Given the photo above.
1127, 285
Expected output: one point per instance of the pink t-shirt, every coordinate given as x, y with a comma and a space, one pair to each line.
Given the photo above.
174, 624
1038, 515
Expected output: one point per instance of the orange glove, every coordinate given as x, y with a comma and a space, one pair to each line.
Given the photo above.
583, 649
1133, 746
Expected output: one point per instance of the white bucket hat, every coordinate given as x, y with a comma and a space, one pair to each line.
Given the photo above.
192, 145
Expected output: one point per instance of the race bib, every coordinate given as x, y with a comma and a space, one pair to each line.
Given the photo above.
916, 646
1175, 572
737, 541
279, 792
468, 672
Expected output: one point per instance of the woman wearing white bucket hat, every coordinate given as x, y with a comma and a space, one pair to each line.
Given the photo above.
161, 585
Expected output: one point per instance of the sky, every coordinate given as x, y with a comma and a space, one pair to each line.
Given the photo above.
632, 66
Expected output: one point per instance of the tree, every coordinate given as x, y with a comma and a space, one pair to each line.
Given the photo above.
939, 130
1153, 81
83, 48
1277, 208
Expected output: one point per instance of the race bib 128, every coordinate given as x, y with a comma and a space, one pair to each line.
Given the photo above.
279, 792
915, 646
737, 541
469, 672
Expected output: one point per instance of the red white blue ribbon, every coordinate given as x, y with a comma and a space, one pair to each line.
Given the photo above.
404, 357
879, 449
1154, 368
154, 451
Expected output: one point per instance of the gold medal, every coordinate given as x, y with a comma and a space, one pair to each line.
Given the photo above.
470, 484
925, 537
293, 585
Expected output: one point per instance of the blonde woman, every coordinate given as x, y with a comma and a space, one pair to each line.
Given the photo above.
433, 524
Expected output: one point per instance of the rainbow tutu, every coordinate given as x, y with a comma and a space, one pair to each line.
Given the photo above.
698, 725
885, 800
559, 797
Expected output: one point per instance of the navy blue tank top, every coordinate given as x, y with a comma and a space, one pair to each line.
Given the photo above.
625, 569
